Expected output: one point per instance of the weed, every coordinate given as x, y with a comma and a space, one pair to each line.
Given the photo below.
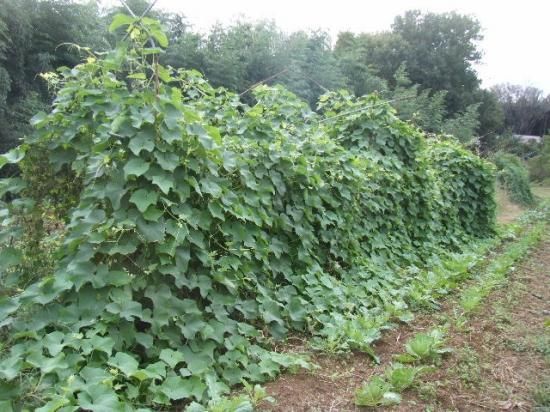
502, 316
471, 298
468, 368
516, 345
541, 395
428, 391
541, 344
257, 394
461, 323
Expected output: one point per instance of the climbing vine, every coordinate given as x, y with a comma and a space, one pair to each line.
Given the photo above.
205, 229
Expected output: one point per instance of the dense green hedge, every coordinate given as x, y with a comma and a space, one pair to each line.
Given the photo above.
206, 228
539, 166
513, 176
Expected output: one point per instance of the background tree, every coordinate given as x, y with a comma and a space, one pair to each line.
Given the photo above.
34, 37
440, 53
422, 107
362, 76
526, 109
427, 58
491, 119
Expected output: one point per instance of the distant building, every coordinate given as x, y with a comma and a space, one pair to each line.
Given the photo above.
527, 138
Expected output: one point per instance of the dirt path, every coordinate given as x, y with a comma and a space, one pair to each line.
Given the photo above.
507, 211
501, 356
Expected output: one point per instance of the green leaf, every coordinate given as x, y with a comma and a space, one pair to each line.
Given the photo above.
50, 406
151, 231
95, 375
172, 116
160, 37
168, 161
156, 370
198, 364
124, 362
125, 246
164, 181
271, 312
216, 210
141, 375
49, 365
171, 357
183, 388
99, 398
376, 392
205, 139
214, 133
196, 237
183, 255
164, 73
8, 306
120, 20
143, 199
115, 190
144, 339
104, 344
11, 185
117, 278
405, 358
53, 342
38, 119
229, 161
152, 214
138, 76
170, 135
127, 309
13, 156
216, 388
9, 256
195, 407
210, 187
143, 140
136, 167
10, 367
297, 309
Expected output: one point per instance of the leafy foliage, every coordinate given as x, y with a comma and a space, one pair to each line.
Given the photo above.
514, 178
31, 35
402, 377
386, 390
539, 166
376, 392
204, 229
495, 274
439, 51
425, 347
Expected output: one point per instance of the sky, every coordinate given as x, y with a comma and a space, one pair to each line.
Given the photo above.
516, 33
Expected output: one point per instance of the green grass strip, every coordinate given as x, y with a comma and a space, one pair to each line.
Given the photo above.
496, 272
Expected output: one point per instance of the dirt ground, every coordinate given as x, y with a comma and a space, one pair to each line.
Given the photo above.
500, 358
506, 210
